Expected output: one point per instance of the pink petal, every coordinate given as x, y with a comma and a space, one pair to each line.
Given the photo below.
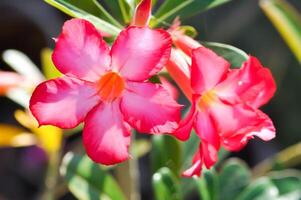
206, 130
253, 84
265, 131
241, 121
63, 102
170, 88
185, 125
80, 51
149, 108
179, 70
197, 165
180, 40
106, 137
142, 13
207, 69
139, 53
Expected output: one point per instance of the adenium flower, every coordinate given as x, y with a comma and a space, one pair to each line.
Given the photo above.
177, 66
180, 39
107, 89
225, 106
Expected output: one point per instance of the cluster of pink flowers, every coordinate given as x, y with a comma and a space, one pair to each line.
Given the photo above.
108, 89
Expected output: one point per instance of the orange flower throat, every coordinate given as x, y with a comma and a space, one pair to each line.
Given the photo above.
206, 99
110, 86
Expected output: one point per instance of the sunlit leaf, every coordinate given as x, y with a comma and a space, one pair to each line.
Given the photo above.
19, 95
287, 20
23, 65
184, 8
87, 181
261, 189
73, 11
48, 67
11, 136
95, 8
166, 186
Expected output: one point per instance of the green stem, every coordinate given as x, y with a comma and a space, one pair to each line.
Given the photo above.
51, 176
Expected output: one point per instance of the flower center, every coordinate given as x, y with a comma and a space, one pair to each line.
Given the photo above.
206, 99
110, 86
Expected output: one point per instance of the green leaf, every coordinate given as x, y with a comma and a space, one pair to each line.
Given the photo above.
87, 181
208, 185
125, 11
95, 8
73, 11
115, 9
166, 186
234, 55
184, 8
286, 181
48, 67
234, 177
190, 147
261, 189
287, 20
166, 151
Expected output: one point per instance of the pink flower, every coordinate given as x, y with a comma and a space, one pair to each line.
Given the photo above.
181, 40
142, 13
176, 66
225, 106
107, 89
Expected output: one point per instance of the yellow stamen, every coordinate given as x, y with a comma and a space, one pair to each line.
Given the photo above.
206, 99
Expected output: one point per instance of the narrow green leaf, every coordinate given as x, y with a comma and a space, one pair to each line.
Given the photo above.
234, 55
114, 9
287, 20
79, 13
95, 8
49, 70
166, 186
87, 181
184, 8
166, 151
125, 11
234, 177
261, 189
208, 185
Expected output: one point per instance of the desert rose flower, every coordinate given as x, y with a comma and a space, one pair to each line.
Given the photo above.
225, 106
107, 89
